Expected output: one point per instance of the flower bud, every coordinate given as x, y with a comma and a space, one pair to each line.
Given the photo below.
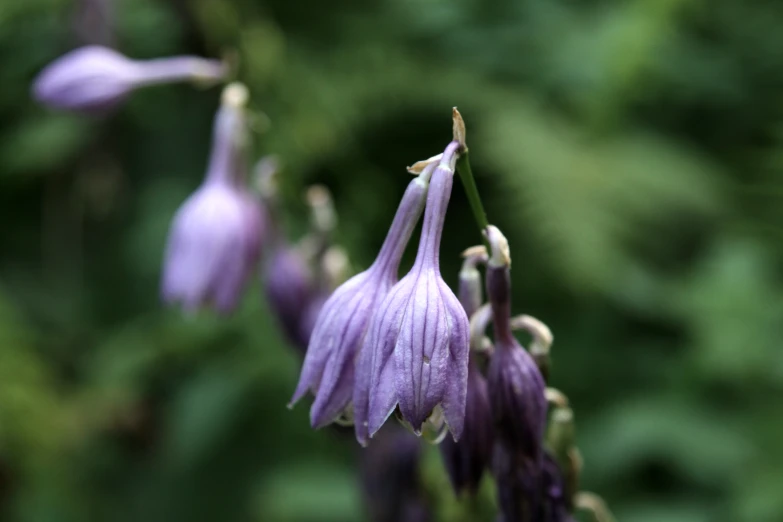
417, 344
329, 367
390, 477
516, 387
215, 237
288, 283
95, 78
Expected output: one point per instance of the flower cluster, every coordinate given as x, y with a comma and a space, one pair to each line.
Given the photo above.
375, 345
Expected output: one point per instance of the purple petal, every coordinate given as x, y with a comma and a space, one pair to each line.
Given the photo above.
458, 354
385, 328
330, 330
421, 353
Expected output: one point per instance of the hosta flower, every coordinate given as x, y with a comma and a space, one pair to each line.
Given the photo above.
215, 237
328, 370
418, 339
94, 78
516, 388
466, 459
517, 400
288, 283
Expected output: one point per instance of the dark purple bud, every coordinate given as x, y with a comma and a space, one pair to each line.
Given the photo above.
556, 503
288, 283
518, 479
329, 367
516, 387
418, 339
215, 236
390, 477
96, 78
466, 459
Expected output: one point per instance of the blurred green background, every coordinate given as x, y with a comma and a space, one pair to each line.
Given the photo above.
631, 150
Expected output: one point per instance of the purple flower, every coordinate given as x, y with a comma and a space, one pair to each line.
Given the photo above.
466, 459
328, 370
417, 347
215, 237
516, 388
288, 283
95, 78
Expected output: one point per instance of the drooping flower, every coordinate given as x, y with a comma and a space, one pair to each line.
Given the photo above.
215, 237
417, 346
328, 371
466, 459
288, 283
517, 400
96, 78
516, 388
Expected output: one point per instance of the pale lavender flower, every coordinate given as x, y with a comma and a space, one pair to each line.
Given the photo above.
95, 78
417, 345
215, 237
328, 371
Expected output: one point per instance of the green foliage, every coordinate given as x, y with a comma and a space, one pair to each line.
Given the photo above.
631, 151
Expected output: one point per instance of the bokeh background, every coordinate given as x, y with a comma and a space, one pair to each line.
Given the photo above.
631, 150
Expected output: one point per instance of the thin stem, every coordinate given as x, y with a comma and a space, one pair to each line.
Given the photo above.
469, 182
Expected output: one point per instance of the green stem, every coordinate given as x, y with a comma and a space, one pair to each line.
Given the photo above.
469, 182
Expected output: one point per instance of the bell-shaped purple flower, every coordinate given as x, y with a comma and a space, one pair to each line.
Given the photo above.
418, 340
95, 78
215, 237
516, 387
329, 369
466, 459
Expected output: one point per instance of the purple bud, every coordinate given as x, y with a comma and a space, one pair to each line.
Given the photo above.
329, 367
526, 494
288, 283
95, 78
418, 339
556, 504
519, 484
516, 387
466, 459
390, 478
215, 237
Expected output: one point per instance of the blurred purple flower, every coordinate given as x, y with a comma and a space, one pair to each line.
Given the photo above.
328, 370
95, 78
215, 237
416, 352
288, 283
